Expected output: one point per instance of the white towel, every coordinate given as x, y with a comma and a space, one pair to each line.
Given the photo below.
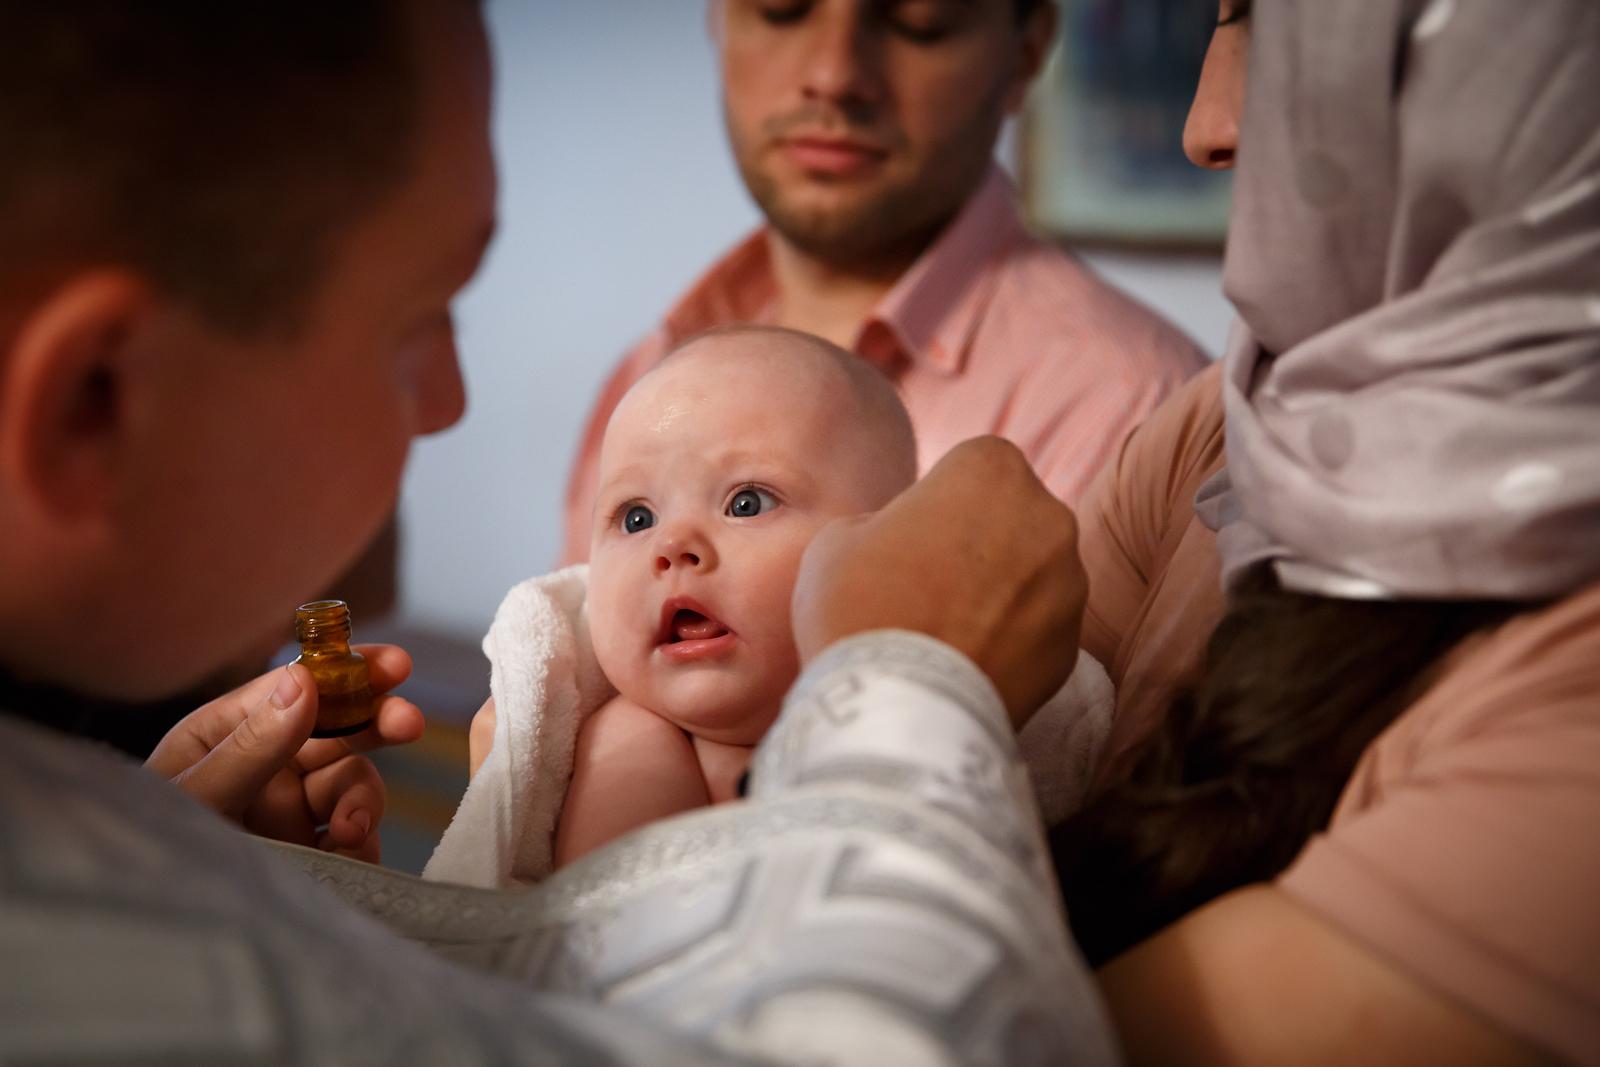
545, 681
1062, 743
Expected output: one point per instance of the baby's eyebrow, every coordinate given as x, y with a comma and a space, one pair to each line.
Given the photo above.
621, 477
612, 495
748, 464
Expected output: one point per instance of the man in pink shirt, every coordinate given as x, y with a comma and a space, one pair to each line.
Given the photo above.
865, 131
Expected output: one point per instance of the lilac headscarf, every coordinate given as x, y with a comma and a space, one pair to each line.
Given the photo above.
1413, 387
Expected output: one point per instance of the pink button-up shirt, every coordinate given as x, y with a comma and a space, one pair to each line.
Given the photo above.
991, 331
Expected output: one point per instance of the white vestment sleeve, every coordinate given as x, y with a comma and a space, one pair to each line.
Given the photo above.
884, 895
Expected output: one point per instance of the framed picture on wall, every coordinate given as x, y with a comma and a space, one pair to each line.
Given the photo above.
1102, 137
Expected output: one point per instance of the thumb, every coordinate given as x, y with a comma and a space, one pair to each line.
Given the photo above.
231, 775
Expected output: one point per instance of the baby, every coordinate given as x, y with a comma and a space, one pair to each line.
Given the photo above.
717, 469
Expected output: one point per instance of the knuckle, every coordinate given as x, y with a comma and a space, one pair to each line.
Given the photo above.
360, 768
248, 735
372, 778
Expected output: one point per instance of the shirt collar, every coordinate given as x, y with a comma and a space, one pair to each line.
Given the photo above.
930, 314
739, 287
935, 307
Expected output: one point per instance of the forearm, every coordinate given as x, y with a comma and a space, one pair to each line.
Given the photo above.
1255, 978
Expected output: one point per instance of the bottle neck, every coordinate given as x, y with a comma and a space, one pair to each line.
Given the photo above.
326, 644
323, 628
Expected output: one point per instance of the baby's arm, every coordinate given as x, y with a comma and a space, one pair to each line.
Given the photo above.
631, 767
480, 738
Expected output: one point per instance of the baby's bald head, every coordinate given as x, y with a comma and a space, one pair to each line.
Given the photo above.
717, 470
798, 375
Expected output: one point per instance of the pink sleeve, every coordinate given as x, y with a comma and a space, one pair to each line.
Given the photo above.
1087, 437
1127, 515
1474, 862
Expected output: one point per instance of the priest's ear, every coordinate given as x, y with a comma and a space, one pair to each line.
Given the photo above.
64, 396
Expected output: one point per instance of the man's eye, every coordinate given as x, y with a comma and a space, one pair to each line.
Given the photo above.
638, 518
785, 14
747, 503
922, 21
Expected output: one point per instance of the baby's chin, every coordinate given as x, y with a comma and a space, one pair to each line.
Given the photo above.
715, 708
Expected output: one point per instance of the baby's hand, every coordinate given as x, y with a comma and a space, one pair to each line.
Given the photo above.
480, 738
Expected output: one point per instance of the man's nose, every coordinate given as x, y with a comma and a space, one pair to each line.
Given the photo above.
842, 63
440, 394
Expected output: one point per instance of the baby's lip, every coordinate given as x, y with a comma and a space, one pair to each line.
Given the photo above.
678, 622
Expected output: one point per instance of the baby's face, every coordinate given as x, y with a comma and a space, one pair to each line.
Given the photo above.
715, 474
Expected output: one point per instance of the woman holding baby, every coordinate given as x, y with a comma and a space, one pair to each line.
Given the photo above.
1348, 809
1347, 812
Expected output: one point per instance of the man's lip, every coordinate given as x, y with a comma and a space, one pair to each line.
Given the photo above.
831, 155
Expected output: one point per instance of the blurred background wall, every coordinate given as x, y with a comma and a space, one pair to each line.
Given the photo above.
617, 189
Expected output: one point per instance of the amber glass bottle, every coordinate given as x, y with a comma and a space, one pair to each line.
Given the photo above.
344, 693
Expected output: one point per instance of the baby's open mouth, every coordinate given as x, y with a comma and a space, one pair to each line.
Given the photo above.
692, 626
684, 619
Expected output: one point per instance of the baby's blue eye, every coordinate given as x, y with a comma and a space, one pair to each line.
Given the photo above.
747, 503
638, 518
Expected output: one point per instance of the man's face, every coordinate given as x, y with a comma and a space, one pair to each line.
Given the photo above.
715, 475
265, 465
861, 126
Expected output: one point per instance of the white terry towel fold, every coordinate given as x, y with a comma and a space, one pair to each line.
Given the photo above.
545, 681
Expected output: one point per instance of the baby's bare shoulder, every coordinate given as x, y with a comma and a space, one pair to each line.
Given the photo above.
631, 767
620, 722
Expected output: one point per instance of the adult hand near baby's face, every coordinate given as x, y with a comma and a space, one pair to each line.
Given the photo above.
977, 554
248, 756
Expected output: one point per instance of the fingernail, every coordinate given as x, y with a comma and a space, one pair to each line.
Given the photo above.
362, 819
287, 692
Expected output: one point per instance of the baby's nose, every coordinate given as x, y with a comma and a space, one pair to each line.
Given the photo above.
666, 562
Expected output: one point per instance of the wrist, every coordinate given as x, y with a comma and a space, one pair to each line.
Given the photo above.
908, 654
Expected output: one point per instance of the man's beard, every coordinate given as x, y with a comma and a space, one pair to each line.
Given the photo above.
883, 229
893, 224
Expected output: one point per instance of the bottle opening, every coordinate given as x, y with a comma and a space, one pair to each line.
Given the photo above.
322, 620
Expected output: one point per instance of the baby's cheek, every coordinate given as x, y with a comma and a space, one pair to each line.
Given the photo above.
605, 650
773, 582
771, 590
606, 630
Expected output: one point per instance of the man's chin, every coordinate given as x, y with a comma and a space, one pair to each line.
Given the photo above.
851, 228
